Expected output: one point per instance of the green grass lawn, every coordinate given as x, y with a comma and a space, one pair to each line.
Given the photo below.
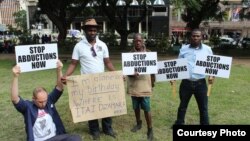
228, 104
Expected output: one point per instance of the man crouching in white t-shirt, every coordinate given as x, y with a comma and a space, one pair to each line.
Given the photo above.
42, 121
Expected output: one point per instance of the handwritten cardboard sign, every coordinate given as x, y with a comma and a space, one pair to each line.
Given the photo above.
94, 96
172, 70
36, 57
213, 65
141, 62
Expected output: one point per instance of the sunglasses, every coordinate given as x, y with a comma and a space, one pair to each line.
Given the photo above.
93, 52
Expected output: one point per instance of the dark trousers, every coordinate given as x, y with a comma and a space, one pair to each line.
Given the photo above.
106, 125
199, 89
65, 137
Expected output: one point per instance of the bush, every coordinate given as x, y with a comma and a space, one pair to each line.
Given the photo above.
109, 38
214, 41
160, 44
67, 46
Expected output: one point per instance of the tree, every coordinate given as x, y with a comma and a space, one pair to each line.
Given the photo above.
245, 12
118, 16
20, 20
197, 11
62, 12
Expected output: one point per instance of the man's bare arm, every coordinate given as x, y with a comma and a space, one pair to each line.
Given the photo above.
59, 84
70, 70
14, 86
109, 64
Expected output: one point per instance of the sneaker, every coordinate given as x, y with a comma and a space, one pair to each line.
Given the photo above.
137, 127
150, 135
95, 135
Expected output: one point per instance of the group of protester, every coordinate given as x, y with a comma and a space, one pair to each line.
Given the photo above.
42, 121
41, 40
7, 47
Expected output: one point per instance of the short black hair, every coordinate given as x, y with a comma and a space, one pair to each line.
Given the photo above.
195, 30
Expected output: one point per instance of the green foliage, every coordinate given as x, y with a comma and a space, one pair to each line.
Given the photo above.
109, 38
25, 39
214, 41
196, 11
162, 45
20, 19
159, 43
67, 46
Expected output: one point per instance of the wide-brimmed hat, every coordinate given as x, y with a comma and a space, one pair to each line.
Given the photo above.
90, 23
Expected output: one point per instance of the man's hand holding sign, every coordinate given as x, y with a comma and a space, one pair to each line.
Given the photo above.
142, 63
172, 70
213, 65
36, 57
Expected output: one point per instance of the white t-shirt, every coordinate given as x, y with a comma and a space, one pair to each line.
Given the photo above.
89, 63
44, 127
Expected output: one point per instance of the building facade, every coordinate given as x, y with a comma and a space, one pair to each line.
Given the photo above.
7, 9
161, 17
232, 25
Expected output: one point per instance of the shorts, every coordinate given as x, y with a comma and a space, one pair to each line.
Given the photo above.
141, 102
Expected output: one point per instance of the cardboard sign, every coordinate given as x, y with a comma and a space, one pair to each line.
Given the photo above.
36, 57
172, 70
213, 65
143, 63
94, 96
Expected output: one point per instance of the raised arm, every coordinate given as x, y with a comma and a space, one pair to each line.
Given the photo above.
59, 84
14, 86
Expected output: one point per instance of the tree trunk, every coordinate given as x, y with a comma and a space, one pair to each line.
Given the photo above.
124, 41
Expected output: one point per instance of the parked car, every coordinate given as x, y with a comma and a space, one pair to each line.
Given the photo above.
245, 42
227, 42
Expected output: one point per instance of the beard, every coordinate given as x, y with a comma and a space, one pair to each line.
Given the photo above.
91, 38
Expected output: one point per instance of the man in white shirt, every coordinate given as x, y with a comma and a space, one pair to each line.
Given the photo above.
93, 55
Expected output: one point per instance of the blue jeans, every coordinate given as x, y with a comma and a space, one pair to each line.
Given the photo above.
106, 125
199, 89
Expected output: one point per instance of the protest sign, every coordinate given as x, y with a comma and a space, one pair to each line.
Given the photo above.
143, 63
172, 70
36, 57
94, 96
213, 65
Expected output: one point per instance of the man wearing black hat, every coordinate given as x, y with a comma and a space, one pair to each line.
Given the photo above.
92, 54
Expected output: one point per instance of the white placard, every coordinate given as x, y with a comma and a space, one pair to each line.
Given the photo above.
143, 63
172, 70
36, 57
213, 65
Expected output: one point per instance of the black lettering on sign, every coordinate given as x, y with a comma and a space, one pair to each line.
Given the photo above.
213, 58
39, 49
140, 69
211, 71
37, 65
170, 64
139, 56
171, 76
85, 110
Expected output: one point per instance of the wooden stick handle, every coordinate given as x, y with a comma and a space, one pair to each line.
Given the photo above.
209, 89
174, 89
